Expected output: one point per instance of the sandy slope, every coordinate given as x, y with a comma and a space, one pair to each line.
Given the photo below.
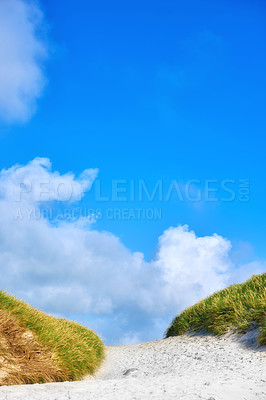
184, 367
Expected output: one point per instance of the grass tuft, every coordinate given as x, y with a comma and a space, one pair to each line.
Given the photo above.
65, 349
237, 307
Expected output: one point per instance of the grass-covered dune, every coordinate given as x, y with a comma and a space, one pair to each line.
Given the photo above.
36, 347
237, 307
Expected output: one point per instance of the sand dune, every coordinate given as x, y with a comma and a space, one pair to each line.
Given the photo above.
184, 367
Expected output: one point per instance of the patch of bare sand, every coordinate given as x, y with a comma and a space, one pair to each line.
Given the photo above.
192, 367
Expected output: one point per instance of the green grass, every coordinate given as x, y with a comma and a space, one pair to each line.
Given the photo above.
77, 350
237, 307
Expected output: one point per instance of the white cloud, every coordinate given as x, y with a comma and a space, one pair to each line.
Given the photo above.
36, 182
191, 266
76, 271
22, 53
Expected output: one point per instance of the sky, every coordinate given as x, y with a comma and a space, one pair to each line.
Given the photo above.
132, 156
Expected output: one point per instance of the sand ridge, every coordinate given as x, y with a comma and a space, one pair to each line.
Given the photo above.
192, 367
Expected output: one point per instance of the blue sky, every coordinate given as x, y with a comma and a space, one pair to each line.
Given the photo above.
154, 91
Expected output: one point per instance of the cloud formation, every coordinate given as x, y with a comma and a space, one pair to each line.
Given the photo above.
35, 182
74, 270
22, 53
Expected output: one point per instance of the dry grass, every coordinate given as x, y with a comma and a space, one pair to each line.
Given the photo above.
23, 359
237, 307
44, 348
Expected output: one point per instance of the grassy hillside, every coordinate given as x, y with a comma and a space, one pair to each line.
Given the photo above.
237, 307
36, 347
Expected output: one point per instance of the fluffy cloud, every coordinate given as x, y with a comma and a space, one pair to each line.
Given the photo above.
191, 266
73, 270
21, 58
35, 182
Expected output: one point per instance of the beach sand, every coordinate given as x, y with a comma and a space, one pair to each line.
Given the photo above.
185, 367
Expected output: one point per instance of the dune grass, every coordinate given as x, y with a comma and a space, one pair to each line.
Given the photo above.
75, 350
237, 307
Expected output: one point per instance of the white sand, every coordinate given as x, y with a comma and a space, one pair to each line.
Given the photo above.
184, 367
